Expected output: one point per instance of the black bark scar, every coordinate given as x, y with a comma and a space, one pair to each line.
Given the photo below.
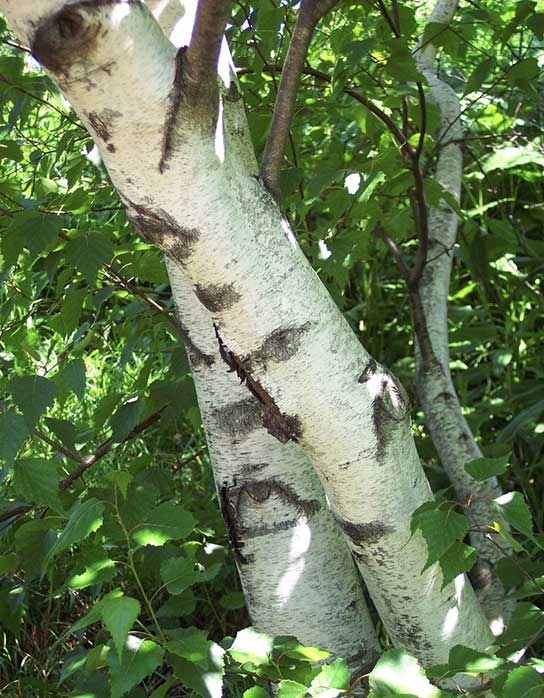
282, 426
174, 102
229, 511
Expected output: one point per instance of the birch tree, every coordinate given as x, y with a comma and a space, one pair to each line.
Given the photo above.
159, 119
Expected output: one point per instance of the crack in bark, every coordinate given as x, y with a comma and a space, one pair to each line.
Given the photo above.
229, 511
282, 426
196, 355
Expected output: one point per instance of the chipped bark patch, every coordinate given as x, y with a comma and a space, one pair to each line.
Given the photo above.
159, 228
363, 534
481, 575
280, 345
217, 297
238, 419
232, 94
281, 426
229, 500
369, 370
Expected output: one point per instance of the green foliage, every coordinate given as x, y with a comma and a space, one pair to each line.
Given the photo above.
120, 583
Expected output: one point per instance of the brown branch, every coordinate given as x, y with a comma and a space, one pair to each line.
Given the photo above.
423, 120
385, 14
104, 448
58, 447
309, 14
395, 251
202, 55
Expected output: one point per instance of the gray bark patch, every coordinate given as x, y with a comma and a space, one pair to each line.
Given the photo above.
280, 345
217, 297
159, 228
238, 419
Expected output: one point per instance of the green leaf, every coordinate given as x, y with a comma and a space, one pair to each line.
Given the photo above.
207, 683
72, 377
256, 692
191, 644
515, 511
166, 522
32, 395
456, 560
178, 573
87, 253
232, 600
13, 432
464, 660
119, 615
512, 156
523, 682
441, 528
479, 74
8, 563
33, 540
94, 615
333, 675
96, 572
290, 647
291, 689
251, 646
483, 468
139, 659
36, 479
398, 673
526, 69
64, 430
526, 623
536, 23
125, 419
85, 518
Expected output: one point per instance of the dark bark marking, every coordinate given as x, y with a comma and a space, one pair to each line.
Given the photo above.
280, 345
267, 530
196, 355
70, 35
155, 224
233, 94
175, 99
238, 419
282, 426
481, 575
366, 533
261, 490
410, 633
390, 405
229, 495
102, 124
217, 297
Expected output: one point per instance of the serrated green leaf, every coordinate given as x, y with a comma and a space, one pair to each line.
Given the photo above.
72, 377
526, 623
33, 540
139, 659
178, 573
291, 689
515, 511
96, 572
125, 419
85, 518
168, 521
441, 528
256, 692
36, 479
87, 253
334, 675
251, 646
119, 615
206, 683
399, 674
456, 560
483, 468
523, 682
191, 644
32, 395
13, 432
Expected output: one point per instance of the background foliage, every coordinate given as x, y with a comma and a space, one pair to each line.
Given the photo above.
95, 383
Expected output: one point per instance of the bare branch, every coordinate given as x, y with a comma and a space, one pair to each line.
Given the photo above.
202, 55
309, 14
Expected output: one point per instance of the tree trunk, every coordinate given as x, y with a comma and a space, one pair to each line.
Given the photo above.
176, 164
451, 435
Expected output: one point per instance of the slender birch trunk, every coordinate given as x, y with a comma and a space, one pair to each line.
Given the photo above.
168, 151
451, 435
283, 536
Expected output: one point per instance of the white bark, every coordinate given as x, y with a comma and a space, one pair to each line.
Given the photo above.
284, 537
194, 196
451, 435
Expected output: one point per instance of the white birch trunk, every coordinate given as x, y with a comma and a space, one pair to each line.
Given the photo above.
284, 538
451, 435
192, 194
